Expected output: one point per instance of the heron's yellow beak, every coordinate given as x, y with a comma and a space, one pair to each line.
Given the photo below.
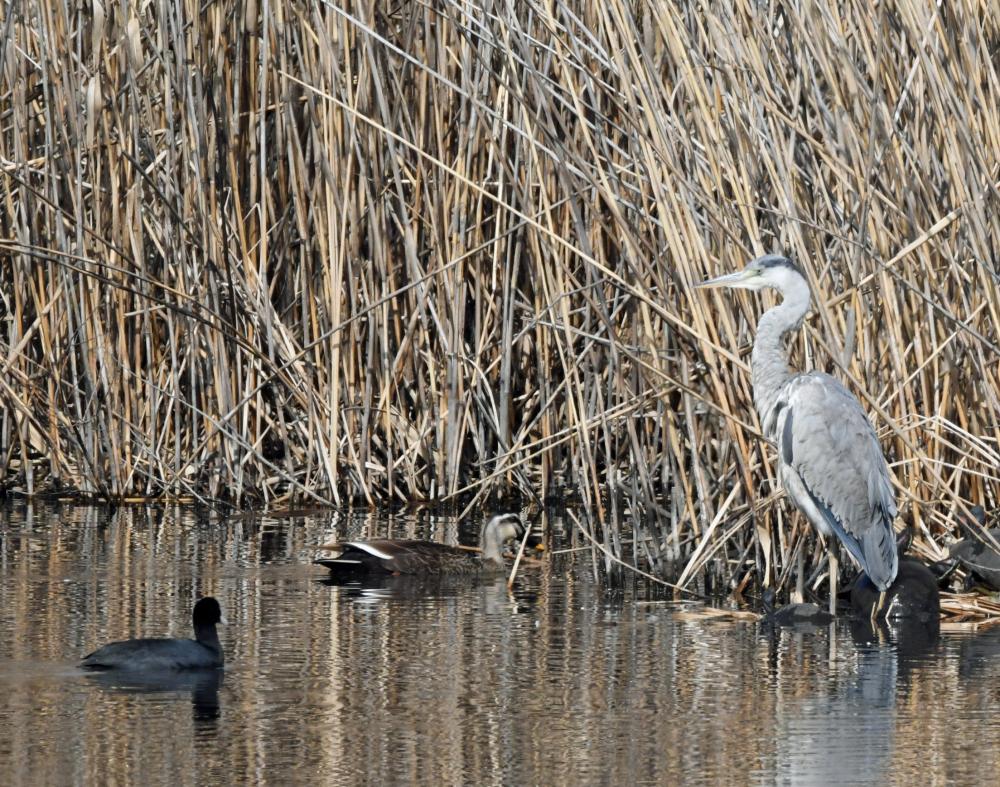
729, 280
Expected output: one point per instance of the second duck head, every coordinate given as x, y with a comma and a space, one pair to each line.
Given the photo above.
496, 531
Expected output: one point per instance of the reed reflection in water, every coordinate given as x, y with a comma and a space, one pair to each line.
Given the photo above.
454, 682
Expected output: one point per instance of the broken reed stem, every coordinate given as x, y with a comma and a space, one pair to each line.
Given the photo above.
518, 557
443, 252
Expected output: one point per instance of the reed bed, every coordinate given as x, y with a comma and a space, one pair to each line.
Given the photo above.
318, 252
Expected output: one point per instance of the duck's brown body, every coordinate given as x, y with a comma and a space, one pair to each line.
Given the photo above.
405, 557
410, 556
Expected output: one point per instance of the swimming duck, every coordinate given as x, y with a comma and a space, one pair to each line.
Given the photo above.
409, 556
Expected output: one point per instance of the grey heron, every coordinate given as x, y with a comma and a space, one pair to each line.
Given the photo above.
830, 462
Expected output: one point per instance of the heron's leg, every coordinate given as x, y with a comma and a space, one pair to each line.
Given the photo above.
877, 608
834, 570
800, 570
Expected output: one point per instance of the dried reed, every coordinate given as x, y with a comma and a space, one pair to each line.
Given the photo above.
301, 250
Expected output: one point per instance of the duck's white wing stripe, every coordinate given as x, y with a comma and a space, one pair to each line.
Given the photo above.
371, 550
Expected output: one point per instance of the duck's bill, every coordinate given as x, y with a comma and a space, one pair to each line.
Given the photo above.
728, 280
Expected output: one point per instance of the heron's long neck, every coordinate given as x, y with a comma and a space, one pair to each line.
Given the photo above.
769, 362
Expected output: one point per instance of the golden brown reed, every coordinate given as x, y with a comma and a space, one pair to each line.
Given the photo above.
442, 251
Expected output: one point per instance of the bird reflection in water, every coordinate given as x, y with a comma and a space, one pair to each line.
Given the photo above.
373, 588
203, 685
859, 715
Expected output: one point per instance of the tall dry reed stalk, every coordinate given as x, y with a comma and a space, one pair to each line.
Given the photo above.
443, 251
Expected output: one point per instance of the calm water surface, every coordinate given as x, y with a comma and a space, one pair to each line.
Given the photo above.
461, 683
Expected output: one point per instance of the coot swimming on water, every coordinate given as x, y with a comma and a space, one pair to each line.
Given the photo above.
202, 652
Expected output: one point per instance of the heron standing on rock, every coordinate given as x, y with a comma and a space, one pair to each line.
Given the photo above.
830, 462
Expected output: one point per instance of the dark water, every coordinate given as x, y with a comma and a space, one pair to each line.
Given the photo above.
461, 683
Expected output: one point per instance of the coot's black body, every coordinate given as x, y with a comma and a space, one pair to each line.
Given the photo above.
912, 595
793, 615
981, 559
152, 655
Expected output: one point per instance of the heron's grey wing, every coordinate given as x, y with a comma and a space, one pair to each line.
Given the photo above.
827, 442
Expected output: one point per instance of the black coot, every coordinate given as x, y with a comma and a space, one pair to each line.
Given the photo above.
981, 559
202, 652
913, 594
793, 615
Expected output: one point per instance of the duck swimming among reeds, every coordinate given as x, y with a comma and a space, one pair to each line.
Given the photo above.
409, 556
150, 655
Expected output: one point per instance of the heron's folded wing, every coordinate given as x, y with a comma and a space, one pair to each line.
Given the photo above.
826, 438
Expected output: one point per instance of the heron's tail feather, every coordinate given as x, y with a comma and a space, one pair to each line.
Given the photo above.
878, 543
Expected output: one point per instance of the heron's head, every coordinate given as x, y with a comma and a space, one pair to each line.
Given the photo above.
772, 270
